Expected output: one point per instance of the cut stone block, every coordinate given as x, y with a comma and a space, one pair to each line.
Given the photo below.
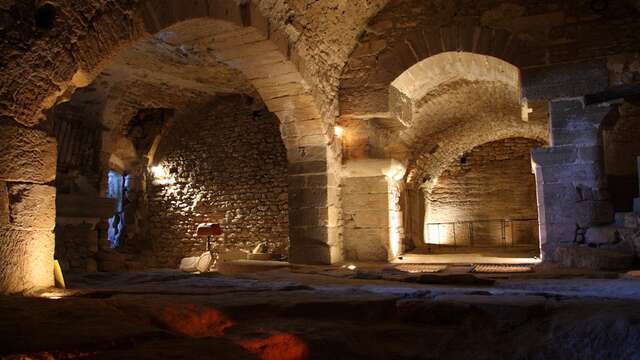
27, 155
27, 260
589, 258
366, 244
32, 206
554, 155
561, 81
601, 235
627, 220
307, 251
591, 213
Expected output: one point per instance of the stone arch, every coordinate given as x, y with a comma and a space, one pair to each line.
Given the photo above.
83, 37
273, 73
415, 47
452, 102
400, 33
413, 94
431, 162
449, 104
431, 159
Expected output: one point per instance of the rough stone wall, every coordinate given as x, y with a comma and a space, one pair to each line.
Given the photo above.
492, 182
226, 158
621, 149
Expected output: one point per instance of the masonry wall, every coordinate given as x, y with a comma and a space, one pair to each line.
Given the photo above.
78, 227
366, 218
621, 149
493, 181
226, 157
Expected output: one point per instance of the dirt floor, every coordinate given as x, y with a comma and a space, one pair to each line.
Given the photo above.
327, 313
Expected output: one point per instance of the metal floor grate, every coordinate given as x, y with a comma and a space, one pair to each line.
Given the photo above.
421, 268
501, 268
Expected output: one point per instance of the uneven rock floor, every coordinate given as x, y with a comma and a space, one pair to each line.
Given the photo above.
327, 313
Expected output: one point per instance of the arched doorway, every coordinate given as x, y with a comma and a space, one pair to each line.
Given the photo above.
239, 32
485, 202
439, 110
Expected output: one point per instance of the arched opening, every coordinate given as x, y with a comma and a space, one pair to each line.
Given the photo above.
232, 171
117, 184
469, 136
176, 147
439, 110
484, 202
225, 36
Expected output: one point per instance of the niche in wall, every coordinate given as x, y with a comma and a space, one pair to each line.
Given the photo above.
485, 198
226, 157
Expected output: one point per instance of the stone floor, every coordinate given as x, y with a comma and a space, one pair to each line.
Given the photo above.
370, 312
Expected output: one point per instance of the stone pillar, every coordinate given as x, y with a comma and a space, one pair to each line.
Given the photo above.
366, 212
312, 237
27, 208
373, 217
569, 175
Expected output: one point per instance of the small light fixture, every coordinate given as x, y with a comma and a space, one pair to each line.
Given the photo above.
351, 267
338, 130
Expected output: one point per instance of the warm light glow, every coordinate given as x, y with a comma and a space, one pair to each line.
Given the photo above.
159, 171
352, 267
52, 295
395, 218
338, 130
277, 346
395, 172
161, 175
196, 321
433, 234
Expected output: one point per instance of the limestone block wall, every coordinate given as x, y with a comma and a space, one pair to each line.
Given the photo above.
571, 190
226, 157
366, 218
27, 208
493, 181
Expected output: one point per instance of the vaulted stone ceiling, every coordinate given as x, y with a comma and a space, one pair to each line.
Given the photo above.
173, 69
524, 33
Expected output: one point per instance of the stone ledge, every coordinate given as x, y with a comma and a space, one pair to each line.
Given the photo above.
575, 256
